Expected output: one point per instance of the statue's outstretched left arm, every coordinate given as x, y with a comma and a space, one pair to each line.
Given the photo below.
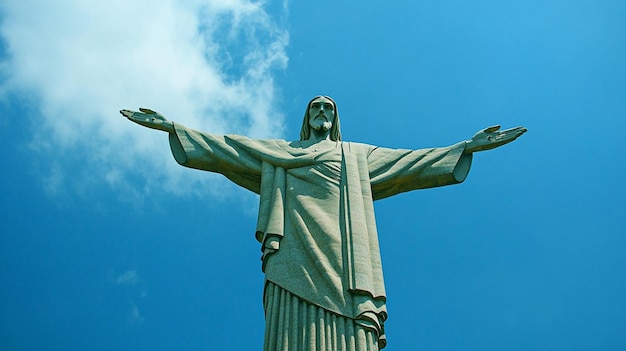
492, 137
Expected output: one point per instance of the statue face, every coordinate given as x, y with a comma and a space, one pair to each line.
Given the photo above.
321, 114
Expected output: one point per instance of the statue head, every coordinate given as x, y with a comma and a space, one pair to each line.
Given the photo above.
331, 118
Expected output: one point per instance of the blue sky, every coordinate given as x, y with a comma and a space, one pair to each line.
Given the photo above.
107, 244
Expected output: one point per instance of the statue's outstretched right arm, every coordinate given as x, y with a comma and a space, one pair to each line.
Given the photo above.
150, 119
229, 155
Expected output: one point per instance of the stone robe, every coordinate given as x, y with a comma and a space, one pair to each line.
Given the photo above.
316, 221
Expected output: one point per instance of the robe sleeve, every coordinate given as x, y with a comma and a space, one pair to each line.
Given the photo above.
394, 171
220, 154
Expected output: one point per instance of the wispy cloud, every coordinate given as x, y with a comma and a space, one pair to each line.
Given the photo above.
127, 278
128, 281
135, 318
208, 64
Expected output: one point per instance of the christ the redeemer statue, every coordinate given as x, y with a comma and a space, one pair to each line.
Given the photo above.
324, 286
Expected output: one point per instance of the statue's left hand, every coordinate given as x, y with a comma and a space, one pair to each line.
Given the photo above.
492, 137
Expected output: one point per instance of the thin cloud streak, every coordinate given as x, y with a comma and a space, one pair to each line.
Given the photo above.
127, 278
207, 64
135, 318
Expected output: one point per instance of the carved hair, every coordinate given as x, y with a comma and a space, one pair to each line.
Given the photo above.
335, 132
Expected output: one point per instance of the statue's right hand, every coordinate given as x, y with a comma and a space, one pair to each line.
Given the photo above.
149, 118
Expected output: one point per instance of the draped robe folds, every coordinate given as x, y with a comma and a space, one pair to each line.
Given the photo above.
316, 221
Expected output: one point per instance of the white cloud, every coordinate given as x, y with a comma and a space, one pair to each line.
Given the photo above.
127, 278
207, 64
135, 318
